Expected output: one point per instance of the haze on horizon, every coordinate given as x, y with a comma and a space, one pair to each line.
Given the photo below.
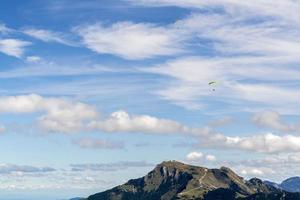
96, 92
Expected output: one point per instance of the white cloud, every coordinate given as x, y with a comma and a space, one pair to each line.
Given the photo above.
210, 158
60, 115
53, 69
98, 144
47, 36
131, 41
194, 156
13, 47
200, 157
4, 29
269, 167
121, 165
121, 121
252, 172
27, 177
276, 161
267, 7
221, 122
251, 49
268, 143
273, 120
191, 77
10, 168
33, 59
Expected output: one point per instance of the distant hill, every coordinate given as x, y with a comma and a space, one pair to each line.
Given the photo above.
291, 184
276, 185
177, 181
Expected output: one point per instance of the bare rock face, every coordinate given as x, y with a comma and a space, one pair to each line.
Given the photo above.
173, 180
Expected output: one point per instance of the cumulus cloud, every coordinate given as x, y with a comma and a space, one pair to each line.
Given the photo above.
270, 167
210, 158
129, 40
93, 143
194, 156
13, 47
273, 120
199, 157
264, 143
121, 121
60, 115
255, 172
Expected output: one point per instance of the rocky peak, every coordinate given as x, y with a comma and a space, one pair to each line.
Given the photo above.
175, 180
256, 181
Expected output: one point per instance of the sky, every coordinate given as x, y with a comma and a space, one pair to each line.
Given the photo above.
96, 92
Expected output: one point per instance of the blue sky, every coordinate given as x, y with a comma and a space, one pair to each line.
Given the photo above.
97, 92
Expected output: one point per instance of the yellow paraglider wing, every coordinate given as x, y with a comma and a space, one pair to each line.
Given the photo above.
212, 82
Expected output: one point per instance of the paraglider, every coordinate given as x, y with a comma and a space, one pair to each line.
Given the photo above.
212, 84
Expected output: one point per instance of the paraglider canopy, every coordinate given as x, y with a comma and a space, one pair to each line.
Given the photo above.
212, 83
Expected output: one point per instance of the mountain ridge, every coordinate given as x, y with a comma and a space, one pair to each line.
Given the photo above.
291, 184
173, 180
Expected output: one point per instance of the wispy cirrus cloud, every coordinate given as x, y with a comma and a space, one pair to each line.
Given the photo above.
134, 41
247, 53
268, 7
242, 82
121, 165
13, 47
48, 36
93, 143
11, 168
4, 29
221, 122
273, 120
33, 59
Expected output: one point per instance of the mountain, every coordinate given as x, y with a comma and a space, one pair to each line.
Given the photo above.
173, 180
291, 184
273, 184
